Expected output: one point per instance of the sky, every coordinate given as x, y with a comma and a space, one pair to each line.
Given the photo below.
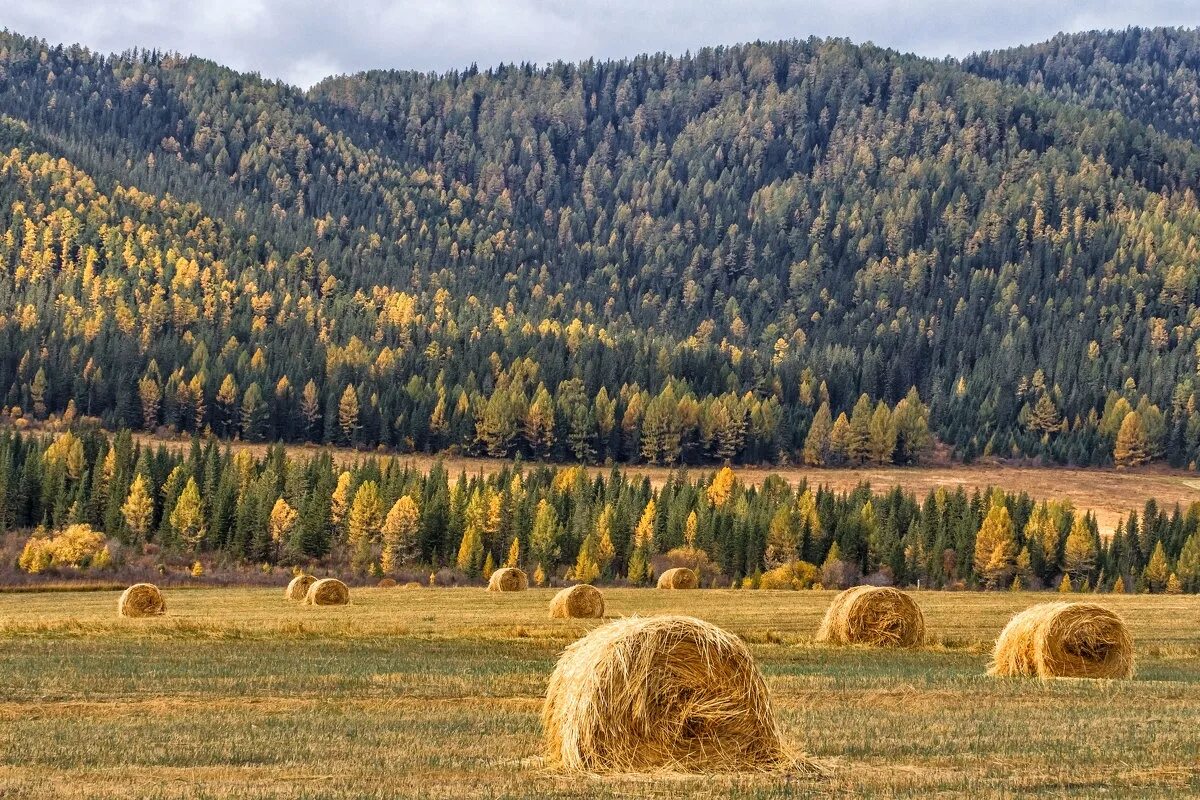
302, 41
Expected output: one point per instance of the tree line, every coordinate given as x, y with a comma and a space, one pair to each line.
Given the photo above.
89, 502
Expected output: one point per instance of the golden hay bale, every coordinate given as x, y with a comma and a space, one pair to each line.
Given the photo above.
1064, 640
297, 587
508, 579
879, 616
412, 585
669, 693
582, 601
327, 592
678, 578
387, 583
142, 600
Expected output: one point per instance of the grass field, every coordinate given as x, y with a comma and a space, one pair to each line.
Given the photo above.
436, 694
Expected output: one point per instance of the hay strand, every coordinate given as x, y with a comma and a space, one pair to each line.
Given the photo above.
508, 579
1064, 640
878, 616
142, 600
582, 601
678, 578
327, 592
660, 694
297, 587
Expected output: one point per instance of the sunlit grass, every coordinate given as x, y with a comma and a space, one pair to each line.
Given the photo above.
436, 693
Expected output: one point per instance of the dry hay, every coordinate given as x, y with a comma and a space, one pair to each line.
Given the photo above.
297, 587
387, 583
508, 579
582, 601
879, 616
142, 600
660, 694
327, 592
1064, 640
412, 585
678, 578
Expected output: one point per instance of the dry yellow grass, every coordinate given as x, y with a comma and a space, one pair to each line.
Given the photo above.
878, 616
660, 694
141, 600
1064, 640
235, 695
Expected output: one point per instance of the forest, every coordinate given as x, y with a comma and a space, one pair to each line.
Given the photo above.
94, 505
779, 252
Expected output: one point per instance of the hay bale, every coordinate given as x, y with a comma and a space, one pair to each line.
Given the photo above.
142, 600
678, 578
669, 693
297, 587
1064, 640
387, 583
878, 616
327, 592
582, 601
412, 585
508, 579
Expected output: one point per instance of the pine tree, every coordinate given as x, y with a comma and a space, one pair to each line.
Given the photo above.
1119, 585
348, 414
282, 521
1132, 447
816, 443
138, 509
514, 554
858, 442
1064, 586
1156, 572
187, 517
995, 547
399, 534
1173, 584
1079, 553
1188, 565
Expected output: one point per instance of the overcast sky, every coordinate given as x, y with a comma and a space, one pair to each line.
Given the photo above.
302, 41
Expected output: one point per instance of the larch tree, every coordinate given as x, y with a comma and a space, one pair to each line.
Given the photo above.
995, 547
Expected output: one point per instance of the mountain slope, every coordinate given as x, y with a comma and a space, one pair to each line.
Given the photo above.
664, 259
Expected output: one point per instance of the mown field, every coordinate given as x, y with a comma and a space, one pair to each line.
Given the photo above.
436, 694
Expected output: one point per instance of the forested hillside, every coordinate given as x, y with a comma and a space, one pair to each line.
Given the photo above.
797, 251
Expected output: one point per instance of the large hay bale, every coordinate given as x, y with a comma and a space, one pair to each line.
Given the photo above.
678, 578
297, 587
327, 592
508, 579
879, 616
387, 583
1064, 640
142, 600
582, 601
668, 693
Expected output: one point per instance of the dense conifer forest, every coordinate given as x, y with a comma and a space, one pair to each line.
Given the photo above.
100, 505
799, 251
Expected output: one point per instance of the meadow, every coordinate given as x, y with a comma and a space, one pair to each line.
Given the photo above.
436, 693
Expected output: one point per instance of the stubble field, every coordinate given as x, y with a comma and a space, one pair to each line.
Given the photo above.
436, 694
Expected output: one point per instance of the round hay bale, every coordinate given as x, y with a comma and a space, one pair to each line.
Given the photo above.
142, 600
412, 585
583, 601
297, 587
387, 583
1064, 640
878, 616
678, 578
327, 592
669, 693
508, 579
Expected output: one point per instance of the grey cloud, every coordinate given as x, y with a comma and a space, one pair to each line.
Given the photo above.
302, 41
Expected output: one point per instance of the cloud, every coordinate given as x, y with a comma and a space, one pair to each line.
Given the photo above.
302, 41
